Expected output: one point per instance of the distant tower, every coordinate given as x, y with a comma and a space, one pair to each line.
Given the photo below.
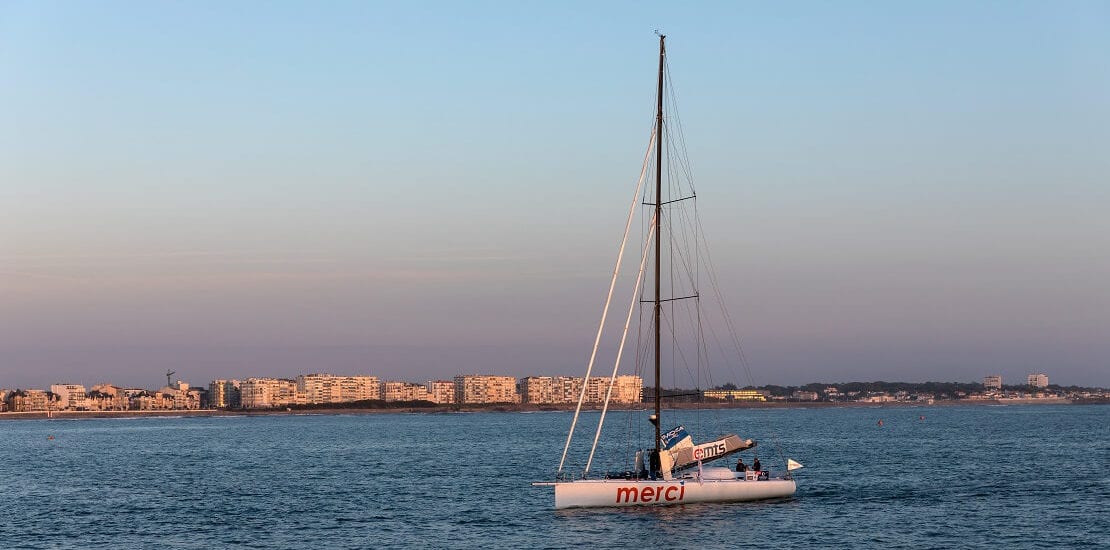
1038, 380
992, 382
169, 373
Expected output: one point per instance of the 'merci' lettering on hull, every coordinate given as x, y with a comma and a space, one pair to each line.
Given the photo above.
651, 493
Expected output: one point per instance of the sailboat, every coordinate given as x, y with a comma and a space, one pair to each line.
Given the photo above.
674, 470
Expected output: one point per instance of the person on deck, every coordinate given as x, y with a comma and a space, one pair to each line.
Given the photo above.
756, 466
740, 466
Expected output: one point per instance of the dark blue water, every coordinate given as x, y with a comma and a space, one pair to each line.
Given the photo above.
1008, 477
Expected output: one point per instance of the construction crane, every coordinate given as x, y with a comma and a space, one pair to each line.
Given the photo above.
169, 373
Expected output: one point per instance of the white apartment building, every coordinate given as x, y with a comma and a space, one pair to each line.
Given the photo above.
404, 391
626, 389
266, 393
540, 389
566, 389
551, 389
328, 388
70, 396
476, 388
595, 389
441, 391
225, 394
992, 382
1038, 380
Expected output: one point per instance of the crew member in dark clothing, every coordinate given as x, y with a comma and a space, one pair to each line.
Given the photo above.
740, 466
756, 466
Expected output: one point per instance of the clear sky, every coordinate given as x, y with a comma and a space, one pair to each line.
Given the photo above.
893, 190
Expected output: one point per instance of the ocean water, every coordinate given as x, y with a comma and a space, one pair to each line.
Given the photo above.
963, 476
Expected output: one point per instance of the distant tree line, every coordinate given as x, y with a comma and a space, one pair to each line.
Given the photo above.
879, 386
938, 389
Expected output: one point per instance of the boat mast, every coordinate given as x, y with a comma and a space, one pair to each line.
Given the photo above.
658, 235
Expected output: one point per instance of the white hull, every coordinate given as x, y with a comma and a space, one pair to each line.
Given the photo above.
590, 493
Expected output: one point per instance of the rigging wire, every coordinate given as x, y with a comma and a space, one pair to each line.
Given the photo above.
608, 299
620, 353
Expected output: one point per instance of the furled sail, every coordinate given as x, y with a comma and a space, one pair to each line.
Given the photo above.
690, 456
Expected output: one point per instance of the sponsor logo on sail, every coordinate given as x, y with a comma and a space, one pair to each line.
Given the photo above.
674, 437
706, 451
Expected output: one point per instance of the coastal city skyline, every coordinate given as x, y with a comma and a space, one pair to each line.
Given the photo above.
904, 191
997, 381
317, 390
324, 389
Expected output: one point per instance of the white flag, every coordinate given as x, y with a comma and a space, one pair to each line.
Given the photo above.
791, 464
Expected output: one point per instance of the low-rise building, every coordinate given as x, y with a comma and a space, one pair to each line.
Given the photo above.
152, 401
131, 393
878, 398
735, 395
31, 401
992, 382
805, 395
106, 397
179, 396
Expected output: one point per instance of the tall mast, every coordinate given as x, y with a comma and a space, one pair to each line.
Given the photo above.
658, 235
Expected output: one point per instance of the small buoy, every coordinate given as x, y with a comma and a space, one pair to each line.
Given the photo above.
50, 438
880, 421
922, 417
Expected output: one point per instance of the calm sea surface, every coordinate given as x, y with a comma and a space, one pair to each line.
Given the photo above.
1007, 477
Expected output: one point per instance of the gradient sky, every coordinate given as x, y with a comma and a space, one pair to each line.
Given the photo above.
894, 191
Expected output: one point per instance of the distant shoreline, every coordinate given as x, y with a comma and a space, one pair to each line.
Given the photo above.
443, 409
